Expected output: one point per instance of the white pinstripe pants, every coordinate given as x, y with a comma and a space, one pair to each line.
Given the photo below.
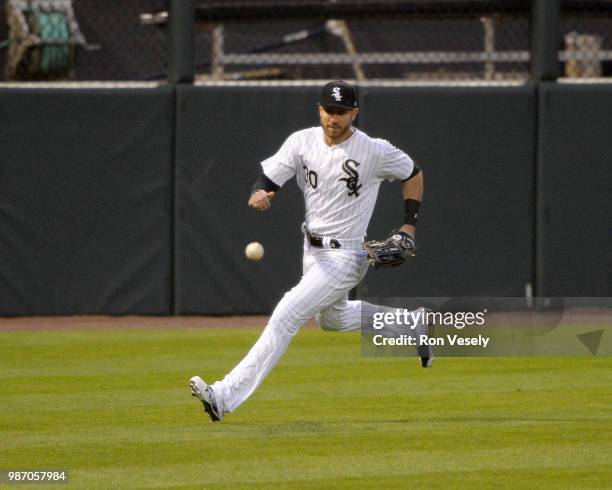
328, 276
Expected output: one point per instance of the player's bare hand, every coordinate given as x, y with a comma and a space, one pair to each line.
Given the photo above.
261, 200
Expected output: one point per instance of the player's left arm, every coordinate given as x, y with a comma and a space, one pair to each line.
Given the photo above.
400, 245
396, 164
412, 189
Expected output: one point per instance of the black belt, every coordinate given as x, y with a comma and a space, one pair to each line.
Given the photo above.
316, 241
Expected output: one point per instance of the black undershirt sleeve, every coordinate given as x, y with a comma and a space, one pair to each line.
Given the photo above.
265, 184
415, 171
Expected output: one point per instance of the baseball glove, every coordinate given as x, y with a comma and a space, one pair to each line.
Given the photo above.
391, 252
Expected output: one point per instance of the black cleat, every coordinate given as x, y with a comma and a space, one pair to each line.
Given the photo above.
425, 361
424, 351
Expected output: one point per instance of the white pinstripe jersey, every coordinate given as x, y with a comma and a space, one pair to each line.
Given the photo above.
340, 182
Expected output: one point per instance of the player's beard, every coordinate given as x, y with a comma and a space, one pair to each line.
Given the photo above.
336, 132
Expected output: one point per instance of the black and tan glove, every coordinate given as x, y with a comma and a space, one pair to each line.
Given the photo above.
391, 252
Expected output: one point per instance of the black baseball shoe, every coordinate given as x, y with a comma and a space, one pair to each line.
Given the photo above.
426, 361
424, 350
205, 393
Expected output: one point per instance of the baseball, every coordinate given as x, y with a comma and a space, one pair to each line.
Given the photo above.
254, 251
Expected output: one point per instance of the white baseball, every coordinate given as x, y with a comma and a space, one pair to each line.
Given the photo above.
254, 251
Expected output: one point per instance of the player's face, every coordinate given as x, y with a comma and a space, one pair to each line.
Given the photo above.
336, 123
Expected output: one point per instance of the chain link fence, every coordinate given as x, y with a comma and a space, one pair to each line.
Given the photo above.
418, 40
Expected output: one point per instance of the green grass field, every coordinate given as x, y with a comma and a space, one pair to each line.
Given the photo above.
113, 408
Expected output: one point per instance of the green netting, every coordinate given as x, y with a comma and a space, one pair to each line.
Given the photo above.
54, 33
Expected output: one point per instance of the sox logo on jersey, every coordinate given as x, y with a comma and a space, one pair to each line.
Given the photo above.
352, 181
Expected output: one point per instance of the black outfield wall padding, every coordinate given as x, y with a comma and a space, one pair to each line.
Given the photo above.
575, 198
85, 201
222, 136
476, 148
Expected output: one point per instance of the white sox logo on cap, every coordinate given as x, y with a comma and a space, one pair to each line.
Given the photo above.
338, 94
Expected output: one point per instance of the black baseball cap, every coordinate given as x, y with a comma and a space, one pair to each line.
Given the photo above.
339, 94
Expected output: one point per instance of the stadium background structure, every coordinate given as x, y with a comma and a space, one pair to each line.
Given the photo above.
131, 217
434, 40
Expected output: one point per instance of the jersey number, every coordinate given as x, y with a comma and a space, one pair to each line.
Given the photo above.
311, 177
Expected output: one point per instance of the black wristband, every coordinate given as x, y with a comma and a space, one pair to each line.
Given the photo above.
265, 184
411, 211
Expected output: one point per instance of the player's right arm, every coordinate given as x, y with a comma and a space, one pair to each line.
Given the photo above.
261, 200
276, 170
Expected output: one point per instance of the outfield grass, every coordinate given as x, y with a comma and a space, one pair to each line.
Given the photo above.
113, 408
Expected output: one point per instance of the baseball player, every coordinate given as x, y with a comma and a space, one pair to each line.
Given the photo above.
339, 169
